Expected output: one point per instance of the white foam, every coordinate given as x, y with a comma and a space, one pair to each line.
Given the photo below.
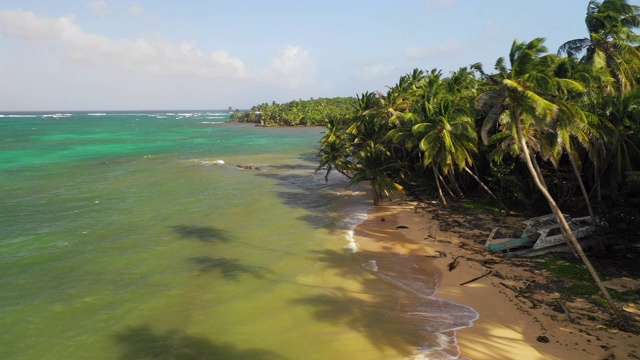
56, 115
352, 246
371, 265
208, 162
444, 342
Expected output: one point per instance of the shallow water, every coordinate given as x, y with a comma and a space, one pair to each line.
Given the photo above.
123, 238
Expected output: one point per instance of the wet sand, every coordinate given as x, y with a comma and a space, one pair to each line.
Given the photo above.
517, 320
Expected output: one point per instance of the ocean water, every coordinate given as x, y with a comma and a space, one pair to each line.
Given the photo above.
177, 235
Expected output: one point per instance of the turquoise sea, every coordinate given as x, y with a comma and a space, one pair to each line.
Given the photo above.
178, 235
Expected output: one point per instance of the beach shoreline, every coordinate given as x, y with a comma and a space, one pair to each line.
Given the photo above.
516, 319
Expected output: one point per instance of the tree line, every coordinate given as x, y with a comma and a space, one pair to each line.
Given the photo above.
312, 112
574, 115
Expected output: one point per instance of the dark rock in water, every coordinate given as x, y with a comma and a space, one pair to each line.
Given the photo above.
402, 227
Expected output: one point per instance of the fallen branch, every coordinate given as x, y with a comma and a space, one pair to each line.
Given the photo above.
512, 288
454, 264
564, 309
477, 278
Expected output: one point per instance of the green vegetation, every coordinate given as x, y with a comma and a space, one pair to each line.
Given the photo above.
565, 125
577, 281
540, 131
562, 269
311, 112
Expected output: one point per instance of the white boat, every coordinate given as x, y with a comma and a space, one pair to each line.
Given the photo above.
542, 234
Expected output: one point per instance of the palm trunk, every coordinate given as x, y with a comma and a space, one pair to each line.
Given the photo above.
455, 185
597, 180
436, 175
444, 183
538, 171
582, 188
564, 226
486, 189
376, 196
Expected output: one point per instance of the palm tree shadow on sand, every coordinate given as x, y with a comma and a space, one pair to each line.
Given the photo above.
141, 342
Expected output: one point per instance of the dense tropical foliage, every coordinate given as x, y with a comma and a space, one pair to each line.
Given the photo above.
301, 112
447, 136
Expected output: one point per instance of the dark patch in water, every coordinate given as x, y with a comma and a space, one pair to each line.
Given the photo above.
303, 191
202, 233
141, 342
228, 268
342, 262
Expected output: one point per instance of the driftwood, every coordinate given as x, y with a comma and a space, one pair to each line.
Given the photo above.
454, 264
510, 287
477, 278
564, 308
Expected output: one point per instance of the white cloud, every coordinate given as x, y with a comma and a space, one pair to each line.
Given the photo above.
135, 11
155, 56
293, 68
448, 50
99, 8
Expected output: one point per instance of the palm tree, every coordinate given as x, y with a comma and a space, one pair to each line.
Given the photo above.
447, 138
446, 134
373, 163
527, 94
611, 43
335, 149
574, 129
621, 113
366, 124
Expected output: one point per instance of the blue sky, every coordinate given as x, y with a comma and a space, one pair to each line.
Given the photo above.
140, 55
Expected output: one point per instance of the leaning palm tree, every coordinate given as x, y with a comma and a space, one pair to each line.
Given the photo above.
446, 134
575, 130
527, 99
447, 138
621, 114
374, 164
335, 148
611, 44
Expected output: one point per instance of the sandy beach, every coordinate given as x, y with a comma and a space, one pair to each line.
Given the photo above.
519, 317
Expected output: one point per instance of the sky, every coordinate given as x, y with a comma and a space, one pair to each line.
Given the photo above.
214, 54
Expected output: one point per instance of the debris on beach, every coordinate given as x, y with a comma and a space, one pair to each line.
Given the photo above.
454, 264
541, 235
